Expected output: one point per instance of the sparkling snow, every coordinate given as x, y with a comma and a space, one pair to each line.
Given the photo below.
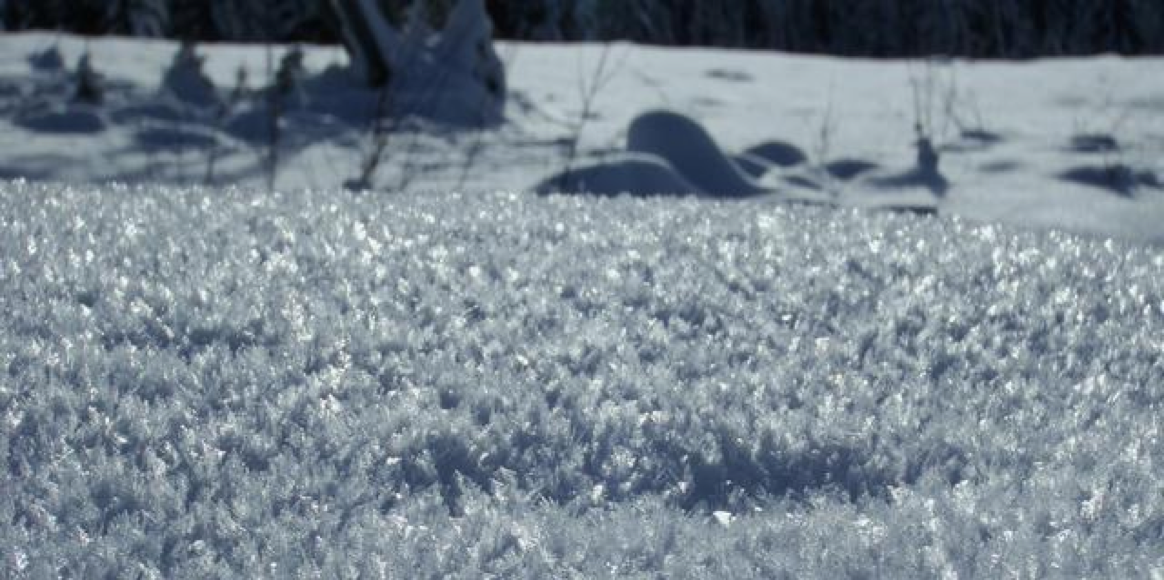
199, 383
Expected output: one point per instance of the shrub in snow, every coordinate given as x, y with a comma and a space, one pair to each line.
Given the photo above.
185, 80
289, 77
48, 60
285, 93
453, 75
90, 87
927, 155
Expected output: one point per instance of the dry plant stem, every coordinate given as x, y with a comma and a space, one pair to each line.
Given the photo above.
950, 103
384, 124
223, 112
432, 90
925, 88
824, 141
381, 131
479, 134
825, 129
588, 89
471, 158
275, 112
273, 145
922, 86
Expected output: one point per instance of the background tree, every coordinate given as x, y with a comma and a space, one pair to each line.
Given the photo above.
138, 17
270, 20
883, 28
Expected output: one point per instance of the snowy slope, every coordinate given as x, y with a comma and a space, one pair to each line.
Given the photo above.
221, 383
1073, 144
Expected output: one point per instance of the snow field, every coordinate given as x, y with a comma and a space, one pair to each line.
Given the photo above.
1073, 144
199, 383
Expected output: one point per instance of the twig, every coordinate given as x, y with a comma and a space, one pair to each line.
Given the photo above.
479, 134
380, 129
824, 141
588, 89
275, 106
220, 119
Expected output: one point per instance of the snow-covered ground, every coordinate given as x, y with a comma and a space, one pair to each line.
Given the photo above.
221, 383
435, 379
1075, 144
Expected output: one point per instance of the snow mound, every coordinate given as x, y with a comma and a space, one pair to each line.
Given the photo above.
220, 383
687, 146
666, 153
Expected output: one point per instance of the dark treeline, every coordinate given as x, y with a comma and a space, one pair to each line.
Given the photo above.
200, 20
881, 28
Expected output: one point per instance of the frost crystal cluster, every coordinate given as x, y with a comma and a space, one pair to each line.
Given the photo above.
199, 384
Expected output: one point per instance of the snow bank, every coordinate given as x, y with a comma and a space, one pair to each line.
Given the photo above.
201, 383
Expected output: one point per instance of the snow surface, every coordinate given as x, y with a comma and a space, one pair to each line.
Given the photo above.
226, 383
1071, 144
413, 382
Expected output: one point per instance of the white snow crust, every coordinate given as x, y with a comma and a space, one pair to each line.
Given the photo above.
222, 383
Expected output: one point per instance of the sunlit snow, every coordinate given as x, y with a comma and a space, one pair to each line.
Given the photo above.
201, 383
682, 313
